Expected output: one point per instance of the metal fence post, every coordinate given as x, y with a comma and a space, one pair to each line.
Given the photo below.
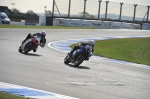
106, 9
148, 13
134, 12
99, 8
69, 8
84, 8
53, 8
120, 11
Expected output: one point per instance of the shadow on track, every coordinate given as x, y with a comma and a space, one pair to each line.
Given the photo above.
79, 67
30, 54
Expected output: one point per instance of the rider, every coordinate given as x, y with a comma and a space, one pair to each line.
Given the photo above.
42, 41
89, 43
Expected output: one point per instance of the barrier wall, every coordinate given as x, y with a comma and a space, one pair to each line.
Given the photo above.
22, 23
88, 23
42, 20
17, 23
94, 23
145, 26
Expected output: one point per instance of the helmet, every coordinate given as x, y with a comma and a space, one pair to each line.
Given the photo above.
92, 43
43, 33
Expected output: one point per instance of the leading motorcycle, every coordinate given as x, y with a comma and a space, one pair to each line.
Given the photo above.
79, 55
30, 44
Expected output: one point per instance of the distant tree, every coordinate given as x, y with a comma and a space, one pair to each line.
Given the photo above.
30, 12
16, 11
87, 15
48, 13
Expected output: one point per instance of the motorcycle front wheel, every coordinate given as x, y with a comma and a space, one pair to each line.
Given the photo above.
28, 48
78, 61
20, 49
66, 60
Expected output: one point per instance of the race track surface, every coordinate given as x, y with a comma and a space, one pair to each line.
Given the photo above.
94, 79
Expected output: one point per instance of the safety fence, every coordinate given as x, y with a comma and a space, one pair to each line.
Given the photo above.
101, 10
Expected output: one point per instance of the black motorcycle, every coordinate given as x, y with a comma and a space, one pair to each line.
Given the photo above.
78, 56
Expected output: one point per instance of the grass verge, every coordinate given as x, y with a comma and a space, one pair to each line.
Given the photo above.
135, 50
4, 95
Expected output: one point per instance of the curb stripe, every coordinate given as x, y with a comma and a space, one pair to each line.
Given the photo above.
30, 92
64, 46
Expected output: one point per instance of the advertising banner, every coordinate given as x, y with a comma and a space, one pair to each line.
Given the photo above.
125, 25
115, 25
75, 22
106, 24
97, 24
86, 23
61, 22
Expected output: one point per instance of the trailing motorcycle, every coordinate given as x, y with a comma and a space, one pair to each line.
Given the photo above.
79, 55
30, 44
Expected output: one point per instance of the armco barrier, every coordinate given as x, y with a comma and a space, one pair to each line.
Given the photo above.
94, 23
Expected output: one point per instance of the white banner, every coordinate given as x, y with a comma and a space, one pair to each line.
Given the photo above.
61, 22
95, 23
106, 24
75, 22
116, 25
42, 20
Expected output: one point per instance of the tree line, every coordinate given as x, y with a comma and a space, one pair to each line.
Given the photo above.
15, 14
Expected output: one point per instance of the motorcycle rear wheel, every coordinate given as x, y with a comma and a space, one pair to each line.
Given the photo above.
28, 48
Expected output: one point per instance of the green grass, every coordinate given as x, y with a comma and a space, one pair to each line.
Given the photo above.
4, 95
43, 27
135, 50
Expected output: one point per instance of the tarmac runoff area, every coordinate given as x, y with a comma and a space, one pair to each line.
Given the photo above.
62, 45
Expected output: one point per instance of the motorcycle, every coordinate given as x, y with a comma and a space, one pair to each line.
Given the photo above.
79, 55
30, 44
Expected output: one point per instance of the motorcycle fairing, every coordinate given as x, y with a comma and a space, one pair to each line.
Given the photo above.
36, 40
25, 43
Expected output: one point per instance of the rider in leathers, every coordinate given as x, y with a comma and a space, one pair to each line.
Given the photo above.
89, 43
42, 41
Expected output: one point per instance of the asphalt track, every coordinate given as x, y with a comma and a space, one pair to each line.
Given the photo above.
94, 79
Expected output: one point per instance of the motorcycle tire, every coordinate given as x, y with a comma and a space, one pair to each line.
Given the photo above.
20, 49
28, 48
79, 61
66, 60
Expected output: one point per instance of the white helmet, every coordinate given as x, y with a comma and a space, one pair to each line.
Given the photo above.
92, 43
43, 33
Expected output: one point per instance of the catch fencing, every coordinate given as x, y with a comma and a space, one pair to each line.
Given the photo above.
101, 10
